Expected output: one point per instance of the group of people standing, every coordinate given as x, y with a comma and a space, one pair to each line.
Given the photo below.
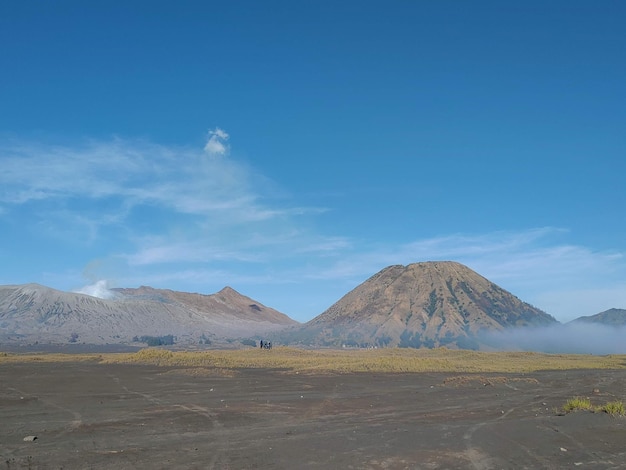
266, 344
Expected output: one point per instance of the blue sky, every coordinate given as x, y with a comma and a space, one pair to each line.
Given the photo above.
291, 150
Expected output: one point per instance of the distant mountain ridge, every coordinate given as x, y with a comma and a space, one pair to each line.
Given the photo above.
39, 313
611, 317
429, 304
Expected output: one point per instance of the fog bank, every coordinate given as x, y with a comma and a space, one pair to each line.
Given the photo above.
571, 338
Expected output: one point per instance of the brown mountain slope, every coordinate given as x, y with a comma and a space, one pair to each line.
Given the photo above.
36, 313
422, 304
227, 304
611, 317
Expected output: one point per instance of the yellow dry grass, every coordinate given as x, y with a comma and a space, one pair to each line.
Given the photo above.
47, 357
346, 361
613, 408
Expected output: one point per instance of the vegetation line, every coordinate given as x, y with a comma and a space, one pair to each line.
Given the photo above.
614, 408
386, 360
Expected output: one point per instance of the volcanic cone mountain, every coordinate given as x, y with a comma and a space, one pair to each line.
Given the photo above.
426, 304
34, 313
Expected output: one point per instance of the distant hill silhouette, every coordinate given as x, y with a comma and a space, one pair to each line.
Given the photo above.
34, 313
428, 304
611, 317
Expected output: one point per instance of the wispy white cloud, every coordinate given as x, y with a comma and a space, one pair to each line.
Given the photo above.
119, 175
216, 145
328, 245
194, 251
152, 205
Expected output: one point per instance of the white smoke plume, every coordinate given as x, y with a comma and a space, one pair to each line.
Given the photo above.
98, 289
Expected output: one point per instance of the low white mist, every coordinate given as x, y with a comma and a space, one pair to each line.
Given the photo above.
571, 338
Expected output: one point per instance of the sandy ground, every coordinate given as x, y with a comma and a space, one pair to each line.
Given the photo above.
92, 416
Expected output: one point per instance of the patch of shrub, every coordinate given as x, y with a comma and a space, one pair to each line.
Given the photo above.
166, 340
578, 404
410, 340
152, 356
467, 342
614, 408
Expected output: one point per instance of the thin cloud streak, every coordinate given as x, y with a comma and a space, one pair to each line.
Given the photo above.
136, 172
190, 252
